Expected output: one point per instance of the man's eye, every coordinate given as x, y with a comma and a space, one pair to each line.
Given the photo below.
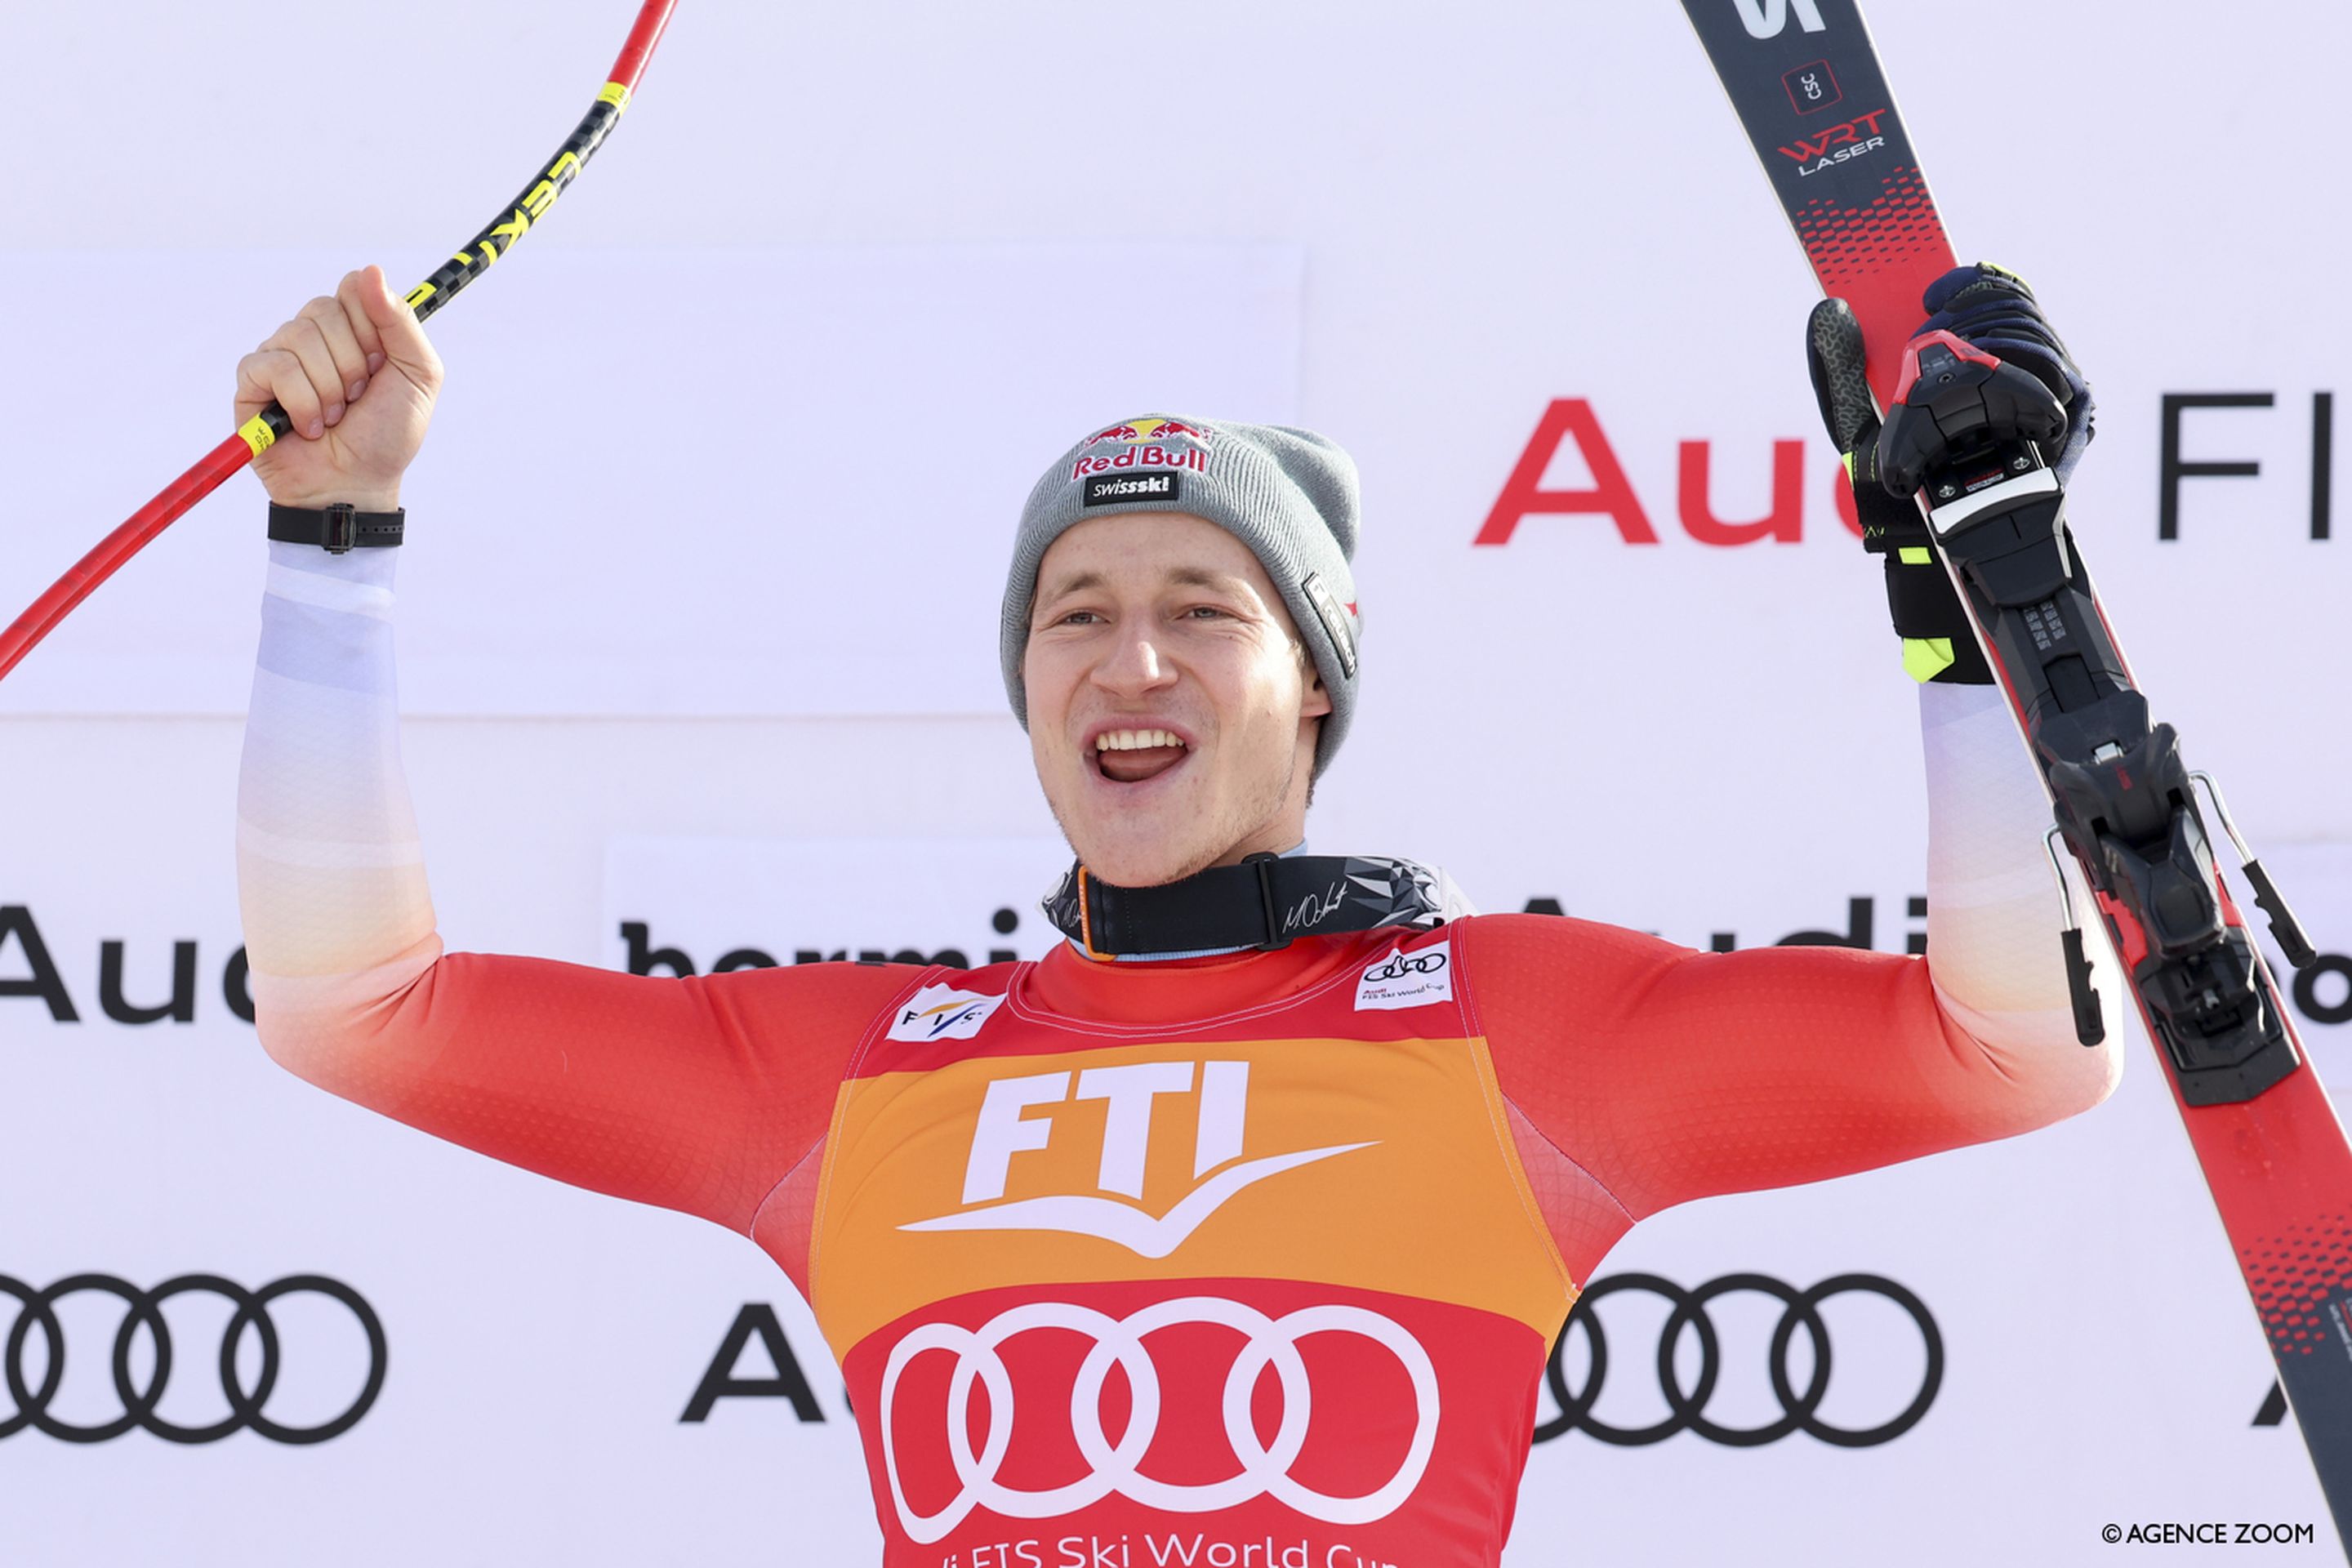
1203, 612
1080, 617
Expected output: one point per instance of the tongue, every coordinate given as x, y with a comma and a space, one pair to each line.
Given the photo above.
1133, 767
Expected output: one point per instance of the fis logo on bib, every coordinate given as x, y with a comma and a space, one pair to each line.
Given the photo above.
943, 1013
1407, 980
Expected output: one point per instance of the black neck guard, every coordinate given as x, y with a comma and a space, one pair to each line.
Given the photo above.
1267, 901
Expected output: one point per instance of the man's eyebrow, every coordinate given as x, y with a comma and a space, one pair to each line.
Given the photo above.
1200, 577
1181, 577
1083, 582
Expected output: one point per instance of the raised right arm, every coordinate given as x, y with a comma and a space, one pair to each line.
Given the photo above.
698, 1095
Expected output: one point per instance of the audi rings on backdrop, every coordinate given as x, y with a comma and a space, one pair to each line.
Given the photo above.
1688, 1408
144, 1308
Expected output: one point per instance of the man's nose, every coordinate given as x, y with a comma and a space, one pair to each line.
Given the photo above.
1134, 667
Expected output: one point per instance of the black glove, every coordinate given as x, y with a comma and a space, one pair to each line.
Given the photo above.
2035, 391
1991, 308
1939, 640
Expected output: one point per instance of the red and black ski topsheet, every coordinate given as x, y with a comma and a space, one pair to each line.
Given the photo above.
1806, 82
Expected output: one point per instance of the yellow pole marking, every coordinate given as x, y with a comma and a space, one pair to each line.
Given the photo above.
422, 293
257, 435
615, 94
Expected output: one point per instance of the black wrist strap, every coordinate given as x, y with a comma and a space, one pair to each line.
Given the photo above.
336, 528
1920, 598
1267, 901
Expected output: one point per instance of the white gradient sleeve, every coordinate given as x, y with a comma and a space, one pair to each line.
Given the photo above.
330, 874
1993, 911
699, 1094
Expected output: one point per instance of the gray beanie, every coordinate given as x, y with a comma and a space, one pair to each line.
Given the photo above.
1289, 495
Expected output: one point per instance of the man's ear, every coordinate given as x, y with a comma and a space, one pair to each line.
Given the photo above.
1318, 702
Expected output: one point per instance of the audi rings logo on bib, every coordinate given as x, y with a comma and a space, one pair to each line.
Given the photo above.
1403, 979
1018, 1364
1690, 1386
36, 1358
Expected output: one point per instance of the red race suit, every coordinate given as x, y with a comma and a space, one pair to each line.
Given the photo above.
1241, 1260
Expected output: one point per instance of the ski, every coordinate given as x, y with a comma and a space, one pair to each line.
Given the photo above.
1805, 80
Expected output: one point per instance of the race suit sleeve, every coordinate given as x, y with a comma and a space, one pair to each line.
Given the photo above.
696, 1094
1649, 1074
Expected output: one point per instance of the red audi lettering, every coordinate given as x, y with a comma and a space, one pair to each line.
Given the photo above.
1611, 494
1785, 522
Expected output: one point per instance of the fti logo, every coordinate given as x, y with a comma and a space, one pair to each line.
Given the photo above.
1115, 1211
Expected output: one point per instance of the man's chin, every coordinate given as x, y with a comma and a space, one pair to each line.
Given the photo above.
1134, 835
1143, 866
1145, 848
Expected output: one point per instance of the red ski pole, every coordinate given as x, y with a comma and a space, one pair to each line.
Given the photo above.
257, 433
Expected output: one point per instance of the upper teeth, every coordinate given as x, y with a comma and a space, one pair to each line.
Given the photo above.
1134, 739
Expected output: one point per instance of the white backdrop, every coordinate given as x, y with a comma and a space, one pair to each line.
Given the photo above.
707, 547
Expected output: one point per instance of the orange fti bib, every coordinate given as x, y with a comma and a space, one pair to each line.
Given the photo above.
1249, 1283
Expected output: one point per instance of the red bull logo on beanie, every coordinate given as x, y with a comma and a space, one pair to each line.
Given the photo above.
1151, 456
1148, 444
1134, 431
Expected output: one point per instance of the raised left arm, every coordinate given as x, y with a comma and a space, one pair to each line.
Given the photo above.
1648, 1075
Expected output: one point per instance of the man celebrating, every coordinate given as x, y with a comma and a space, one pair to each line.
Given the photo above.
1238, 1228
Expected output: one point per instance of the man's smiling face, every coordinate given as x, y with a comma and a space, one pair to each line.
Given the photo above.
1173, 712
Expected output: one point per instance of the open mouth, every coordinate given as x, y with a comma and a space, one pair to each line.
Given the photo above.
1131, 756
